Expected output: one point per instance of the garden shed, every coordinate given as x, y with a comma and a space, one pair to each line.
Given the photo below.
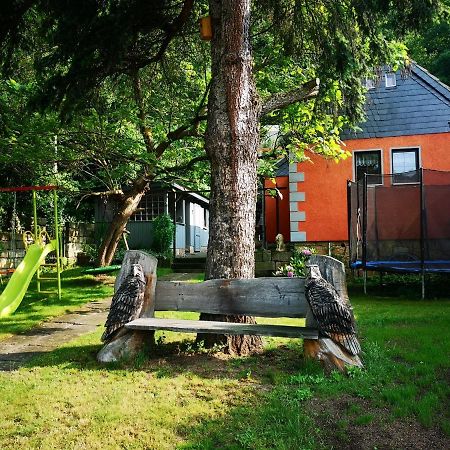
188, 209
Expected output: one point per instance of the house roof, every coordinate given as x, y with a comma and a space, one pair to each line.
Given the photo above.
418, 104
282, 168
162, 186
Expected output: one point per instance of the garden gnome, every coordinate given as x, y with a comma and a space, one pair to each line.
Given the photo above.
281, 247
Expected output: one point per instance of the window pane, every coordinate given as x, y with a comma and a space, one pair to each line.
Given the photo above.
406, 163
391, 80
370, 163
403, 161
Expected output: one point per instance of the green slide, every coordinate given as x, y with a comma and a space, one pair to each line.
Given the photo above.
18, 284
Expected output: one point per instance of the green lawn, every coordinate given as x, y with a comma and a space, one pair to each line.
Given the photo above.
185, 397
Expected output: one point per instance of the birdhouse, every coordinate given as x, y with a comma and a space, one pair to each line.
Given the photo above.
205, 28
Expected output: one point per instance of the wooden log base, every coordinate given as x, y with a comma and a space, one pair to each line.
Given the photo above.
124, 347
127, 344
330, 355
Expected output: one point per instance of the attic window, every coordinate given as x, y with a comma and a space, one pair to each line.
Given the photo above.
369, 83
390, 79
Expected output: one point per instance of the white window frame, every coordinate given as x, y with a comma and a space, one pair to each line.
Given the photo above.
386, 79
409, 147
144, 212
368, 150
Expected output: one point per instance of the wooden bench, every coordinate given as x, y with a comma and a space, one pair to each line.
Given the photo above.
260, 297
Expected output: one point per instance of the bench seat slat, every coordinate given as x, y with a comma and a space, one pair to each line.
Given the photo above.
201, 326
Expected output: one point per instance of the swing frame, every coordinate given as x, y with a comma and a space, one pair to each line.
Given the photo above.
36, 231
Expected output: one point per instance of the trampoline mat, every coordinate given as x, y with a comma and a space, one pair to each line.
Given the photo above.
441, 266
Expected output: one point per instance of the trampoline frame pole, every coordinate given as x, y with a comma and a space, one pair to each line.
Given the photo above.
422, 231
364, 232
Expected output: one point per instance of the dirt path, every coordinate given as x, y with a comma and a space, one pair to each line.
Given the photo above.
19, 349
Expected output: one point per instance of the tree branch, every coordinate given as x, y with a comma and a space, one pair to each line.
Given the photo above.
172, 30
185, 130
139, 99
112, 193
186, 166
282, 99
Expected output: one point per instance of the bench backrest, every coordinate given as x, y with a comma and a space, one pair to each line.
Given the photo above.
263, 297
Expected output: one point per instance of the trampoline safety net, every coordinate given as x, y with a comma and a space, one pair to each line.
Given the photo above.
400, 222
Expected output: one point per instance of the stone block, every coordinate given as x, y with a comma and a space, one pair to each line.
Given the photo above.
297, 196
281, 256
258, 256
296, 177
298, 236
266, 255
293, 206
298, 216
265, 266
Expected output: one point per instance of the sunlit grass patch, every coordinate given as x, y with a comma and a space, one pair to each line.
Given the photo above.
185, 396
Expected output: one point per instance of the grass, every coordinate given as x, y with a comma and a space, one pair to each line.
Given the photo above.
190, 398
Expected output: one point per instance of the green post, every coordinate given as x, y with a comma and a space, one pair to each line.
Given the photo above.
36, 238
58, 257
35, 217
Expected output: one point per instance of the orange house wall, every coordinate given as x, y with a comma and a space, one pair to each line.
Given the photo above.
325, 184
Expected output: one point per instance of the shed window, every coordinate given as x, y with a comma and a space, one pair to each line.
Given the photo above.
390, 79
150, 207
405, 165
179, 213
368, 162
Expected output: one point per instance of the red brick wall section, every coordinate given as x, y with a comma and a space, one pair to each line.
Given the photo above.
271, 205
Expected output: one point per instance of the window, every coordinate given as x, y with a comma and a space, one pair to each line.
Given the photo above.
405, 165
368, 162
150, 207
390, 79
205, 218
369, 83
179, 212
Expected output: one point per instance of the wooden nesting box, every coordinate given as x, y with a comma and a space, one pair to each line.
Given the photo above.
205, 28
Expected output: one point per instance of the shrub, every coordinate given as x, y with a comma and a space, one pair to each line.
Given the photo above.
163, 229
297, 264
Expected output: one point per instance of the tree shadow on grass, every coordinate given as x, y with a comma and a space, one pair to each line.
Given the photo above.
172, 359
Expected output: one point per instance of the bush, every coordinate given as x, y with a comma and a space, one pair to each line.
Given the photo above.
297, 264
163, 229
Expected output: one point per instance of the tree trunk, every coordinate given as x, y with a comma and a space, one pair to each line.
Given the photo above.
231, 143
127, 206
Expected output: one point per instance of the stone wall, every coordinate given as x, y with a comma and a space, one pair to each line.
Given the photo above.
76, 237
337, 249
11, 253
269, 261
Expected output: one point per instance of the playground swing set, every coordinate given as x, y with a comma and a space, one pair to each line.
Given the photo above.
38, 244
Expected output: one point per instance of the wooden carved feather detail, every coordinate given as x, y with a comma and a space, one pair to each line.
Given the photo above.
333, 315
126, 303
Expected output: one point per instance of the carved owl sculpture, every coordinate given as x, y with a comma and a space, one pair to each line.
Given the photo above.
333, 315
126, 303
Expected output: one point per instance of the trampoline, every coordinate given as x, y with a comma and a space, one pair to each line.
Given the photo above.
400, 222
